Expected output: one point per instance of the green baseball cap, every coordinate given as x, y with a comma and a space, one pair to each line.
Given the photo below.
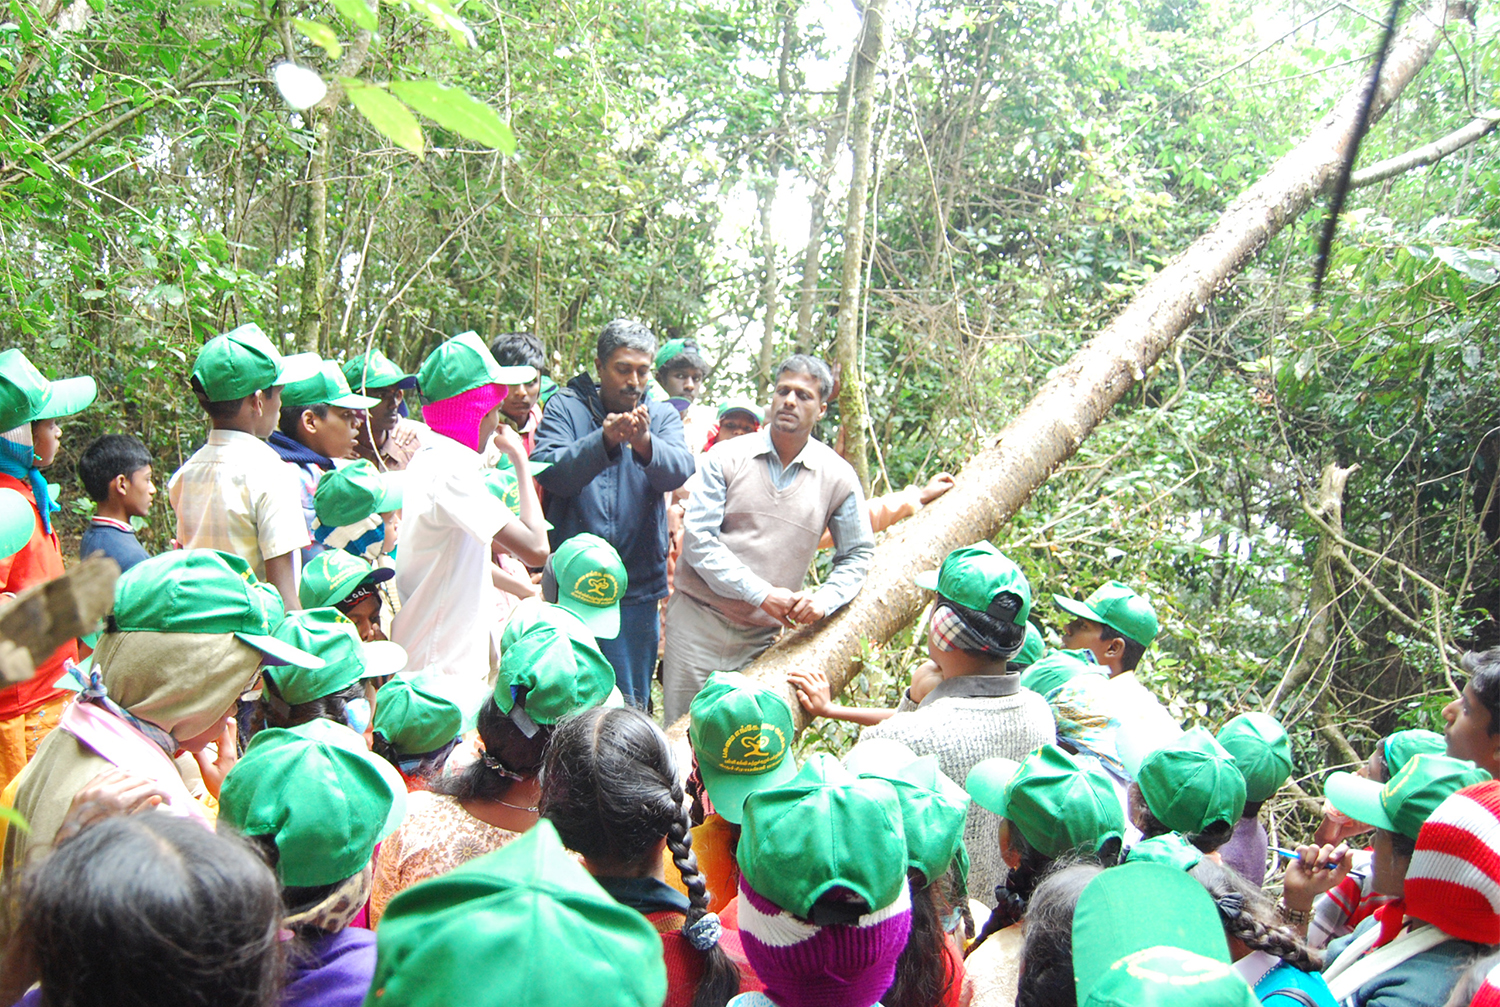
375, 370
1164, 976
825, 828
327, 634
742, 735
1139, 906
1032, 650
747, 406
548, 389
462, 364
204, 591
1058, 669
1189, 781
1398, 748
1115, 605
17, 522
591, 581
550, 666
1168, 848
1405, 801
325, 386
320, 794
502, 484
353, 492
933, 807
423, 712
333, 574
1057, 804
983, 578
525, 924
242, 360
670, 351
26, 395
1262, 752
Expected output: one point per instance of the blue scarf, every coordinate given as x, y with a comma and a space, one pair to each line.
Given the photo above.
18, 460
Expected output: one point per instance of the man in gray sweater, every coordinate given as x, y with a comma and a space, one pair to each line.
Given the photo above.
757, 507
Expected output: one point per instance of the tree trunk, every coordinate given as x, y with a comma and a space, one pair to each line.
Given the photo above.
315, 226
770, 286
998, 481
852, 413
312, 318
817, 218
1317, 640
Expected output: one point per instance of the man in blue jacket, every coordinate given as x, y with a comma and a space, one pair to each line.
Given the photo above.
613, 456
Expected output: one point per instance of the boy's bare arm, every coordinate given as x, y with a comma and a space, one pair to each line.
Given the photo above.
816, 695
281, 575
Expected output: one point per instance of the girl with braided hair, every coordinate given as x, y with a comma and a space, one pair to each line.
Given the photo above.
1053, 810
1272, 957
610, 787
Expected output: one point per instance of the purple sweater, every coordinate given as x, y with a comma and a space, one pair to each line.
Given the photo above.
336, 973
1246, 850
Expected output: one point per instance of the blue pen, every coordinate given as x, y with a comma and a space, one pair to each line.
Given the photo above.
1332, 865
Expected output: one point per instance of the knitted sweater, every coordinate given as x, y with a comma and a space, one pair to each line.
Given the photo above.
963, 731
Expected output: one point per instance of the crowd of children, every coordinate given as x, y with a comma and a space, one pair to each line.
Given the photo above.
242, 791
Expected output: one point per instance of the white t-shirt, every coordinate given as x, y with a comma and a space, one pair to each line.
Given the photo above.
449, 603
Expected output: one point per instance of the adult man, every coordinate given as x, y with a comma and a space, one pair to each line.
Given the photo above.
613, 456
757, 508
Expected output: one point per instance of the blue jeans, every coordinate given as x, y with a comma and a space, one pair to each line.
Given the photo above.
633, 652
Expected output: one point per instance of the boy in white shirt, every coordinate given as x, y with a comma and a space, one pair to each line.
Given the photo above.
449, 618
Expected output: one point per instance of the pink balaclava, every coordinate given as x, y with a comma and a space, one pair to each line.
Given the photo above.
458, 417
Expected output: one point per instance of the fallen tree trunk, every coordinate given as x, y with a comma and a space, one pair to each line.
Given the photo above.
998, 481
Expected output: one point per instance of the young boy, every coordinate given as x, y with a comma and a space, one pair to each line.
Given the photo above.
450, 519
320, 420
29, 408
680, 370
116, 473
975, 709
389, 438
234, 494
522, 408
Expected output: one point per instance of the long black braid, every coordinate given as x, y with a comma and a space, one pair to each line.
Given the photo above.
610, 786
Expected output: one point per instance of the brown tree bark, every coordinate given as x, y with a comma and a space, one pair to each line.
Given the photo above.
998, 481
853, 416
312, 319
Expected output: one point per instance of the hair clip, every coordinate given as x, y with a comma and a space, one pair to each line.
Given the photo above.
1231, 905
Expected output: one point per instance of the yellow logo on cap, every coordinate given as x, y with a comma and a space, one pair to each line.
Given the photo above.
596, 588
754, 748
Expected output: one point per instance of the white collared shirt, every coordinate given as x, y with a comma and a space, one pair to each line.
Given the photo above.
450, 606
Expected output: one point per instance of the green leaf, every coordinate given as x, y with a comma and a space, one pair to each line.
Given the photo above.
15, 819
454, 108
442, 15
386, 114
358, 11
320, 34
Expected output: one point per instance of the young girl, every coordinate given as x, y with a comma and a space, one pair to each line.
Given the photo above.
1188, 785
610, 786
419, 720
1050, 809
316, 803
467, 814
292, 695
1046, 966
1274, 960
930, 970
196, 922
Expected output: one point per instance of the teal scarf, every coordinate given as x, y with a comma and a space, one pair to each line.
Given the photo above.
18, 460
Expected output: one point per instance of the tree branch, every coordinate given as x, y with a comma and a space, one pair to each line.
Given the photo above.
1428, 153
